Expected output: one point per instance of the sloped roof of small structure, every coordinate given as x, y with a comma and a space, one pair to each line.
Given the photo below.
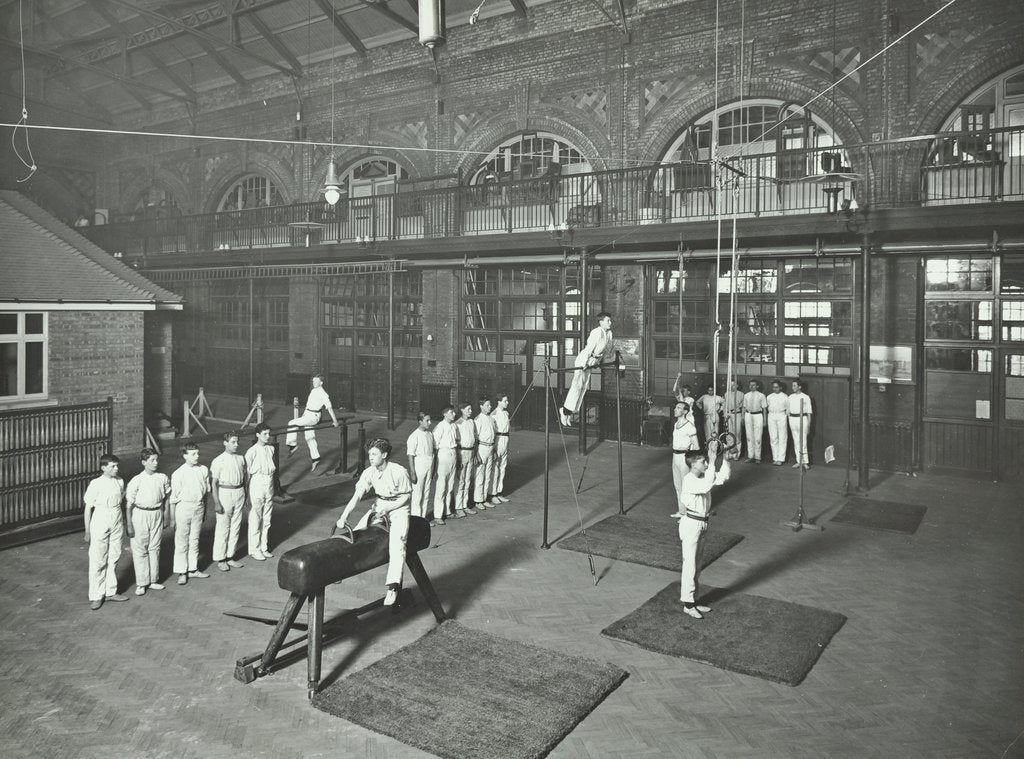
42, 260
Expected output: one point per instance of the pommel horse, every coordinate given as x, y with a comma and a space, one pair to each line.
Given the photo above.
306, 571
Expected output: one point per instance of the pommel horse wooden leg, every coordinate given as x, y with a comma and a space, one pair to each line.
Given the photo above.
419, 574
315, 650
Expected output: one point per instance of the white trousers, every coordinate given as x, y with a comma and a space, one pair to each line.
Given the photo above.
483, 476
397, 535
800, 436
500, 462
465, 484
188, 523
229, 524
691, 535
710, 428
778, 434
308, 419
734, 424
261, 508
447, 466
106, 531
679, 470
149, 527
578, 388
419, 503
755, 434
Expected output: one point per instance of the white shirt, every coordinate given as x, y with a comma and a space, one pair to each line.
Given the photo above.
597, 345
710, 404
148, 490
733, 401
260, 459
318, 400
420, 443
228, 469
390, 483
684, 437
104, 492
502, 421
485, 430
778, 403
445, 435
800, 403
695, 492
467, 433
754, 402
190, 483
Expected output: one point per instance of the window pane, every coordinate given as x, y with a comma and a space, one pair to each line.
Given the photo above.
8, 369
8, 324
33, 368
33, 324
751, 277
958, 274
958, 320
818, 318
958, 359
1011, 277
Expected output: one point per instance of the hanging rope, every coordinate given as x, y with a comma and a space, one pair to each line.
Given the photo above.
22, 123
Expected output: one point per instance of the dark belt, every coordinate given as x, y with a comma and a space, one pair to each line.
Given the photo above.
675, 451
799, 414
149, 508
697, 517
390, 497
313, 410
501, 434
229, 487
483, 442
464, 448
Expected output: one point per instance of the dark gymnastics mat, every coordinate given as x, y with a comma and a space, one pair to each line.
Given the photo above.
881, 515
654, 543
458, 693
774, 640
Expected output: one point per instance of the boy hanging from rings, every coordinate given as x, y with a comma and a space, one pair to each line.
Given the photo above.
391, 484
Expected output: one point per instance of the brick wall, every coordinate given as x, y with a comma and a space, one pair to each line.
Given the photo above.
439, 322
95, 354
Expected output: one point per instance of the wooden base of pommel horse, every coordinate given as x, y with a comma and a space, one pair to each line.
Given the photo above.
306, 571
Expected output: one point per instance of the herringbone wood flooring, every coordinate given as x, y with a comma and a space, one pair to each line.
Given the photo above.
928, 665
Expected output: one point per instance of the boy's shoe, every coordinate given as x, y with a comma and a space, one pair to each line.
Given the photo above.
470, 510
117, 597
437, 522
235, 564
258, 555
223, 566
691, 611
182, 579
702, 609
267, 555
94, 605
502, 498
141, 590
198, 574
392, 595
155, 586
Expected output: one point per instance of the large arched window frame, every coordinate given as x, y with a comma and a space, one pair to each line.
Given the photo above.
251, 191
528, 155
375, 175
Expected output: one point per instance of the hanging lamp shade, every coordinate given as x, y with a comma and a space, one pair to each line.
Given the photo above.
432, 26
332, 191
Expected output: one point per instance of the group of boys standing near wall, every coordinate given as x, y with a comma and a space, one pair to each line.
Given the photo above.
153, 500
465, 458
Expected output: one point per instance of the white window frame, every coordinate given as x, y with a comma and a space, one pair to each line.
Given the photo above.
20, 339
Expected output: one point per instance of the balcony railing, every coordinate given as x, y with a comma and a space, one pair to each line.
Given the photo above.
946, 169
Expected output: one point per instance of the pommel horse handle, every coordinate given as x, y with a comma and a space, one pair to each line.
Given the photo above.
306, 571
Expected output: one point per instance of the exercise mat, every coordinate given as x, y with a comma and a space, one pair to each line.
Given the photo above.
458, 692
889, 516
763, 637
654, 543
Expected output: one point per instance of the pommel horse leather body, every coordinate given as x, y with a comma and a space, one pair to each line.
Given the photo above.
306, 571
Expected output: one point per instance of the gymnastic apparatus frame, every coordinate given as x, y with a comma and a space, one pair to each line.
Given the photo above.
548, 371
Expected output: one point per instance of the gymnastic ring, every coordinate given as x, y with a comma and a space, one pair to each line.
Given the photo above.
727, 441
350, 538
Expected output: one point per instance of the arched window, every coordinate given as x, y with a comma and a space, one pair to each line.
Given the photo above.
792, 135
372, 176
251, 191
528, 155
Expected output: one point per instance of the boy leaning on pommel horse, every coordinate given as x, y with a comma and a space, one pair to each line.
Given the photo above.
391, 484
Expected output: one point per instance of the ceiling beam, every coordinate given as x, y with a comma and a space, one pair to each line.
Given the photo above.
274, 41
65, 62
223, 62
208, 38
520, 7
382, 8
414, 4
158, 65
327, 6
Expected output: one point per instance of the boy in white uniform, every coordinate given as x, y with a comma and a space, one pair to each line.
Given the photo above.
446, 449
419, 448
598, 343
800, 423
694, 507
390, 483
483, 477
754, 406
778, 427
104, 531
146, 499
502, 426
317, 401
467, 461
190, 485
227, 475
684, 440
259, 463
733, 410
711, 405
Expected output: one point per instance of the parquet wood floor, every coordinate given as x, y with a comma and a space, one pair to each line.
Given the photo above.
929, 664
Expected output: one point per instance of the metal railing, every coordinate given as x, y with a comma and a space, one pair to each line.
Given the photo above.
942, 169
47, 458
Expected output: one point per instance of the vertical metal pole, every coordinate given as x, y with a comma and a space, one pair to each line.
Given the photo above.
618, 420
583, 342
547, 437
863, 469
362, 446
391, 348
252, 341
110, 423
344, 446
314, 641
